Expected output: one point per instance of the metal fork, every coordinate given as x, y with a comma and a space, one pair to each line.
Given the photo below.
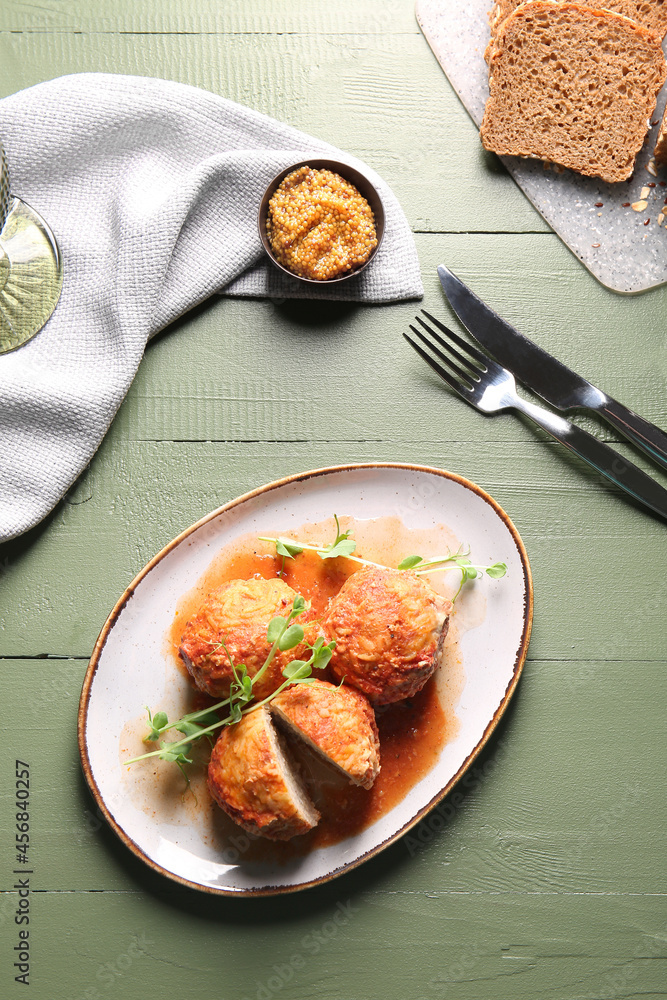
489, 387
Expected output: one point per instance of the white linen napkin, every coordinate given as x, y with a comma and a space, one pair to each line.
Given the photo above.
152, 190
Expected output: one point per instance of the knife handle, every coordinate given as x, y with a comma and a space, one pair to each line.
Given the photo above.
645, 435
603, 458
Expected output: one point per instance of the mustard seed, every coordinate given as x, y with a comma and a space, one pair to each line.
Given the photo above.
319, 226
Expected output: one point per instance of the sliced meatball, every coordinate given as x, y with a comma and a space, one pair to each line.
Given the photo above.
389, 626
251, 777
337, 722
232, 622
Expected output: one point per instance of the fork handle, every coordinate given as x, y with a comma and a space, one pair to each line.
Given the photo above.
641, 432
599, 455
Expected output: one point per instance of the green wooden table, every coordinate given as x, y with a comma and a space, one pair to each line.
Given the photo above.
548, 881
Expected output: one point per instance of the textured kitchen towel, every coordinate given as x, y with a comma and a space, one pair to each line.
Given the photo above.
152, 189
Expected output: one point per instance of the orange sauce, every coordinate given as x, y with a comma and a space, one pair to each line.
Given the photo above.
412, 732
316, 580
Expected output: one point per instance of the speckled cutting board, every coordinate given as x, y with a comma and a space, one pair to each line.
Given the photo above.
625, 249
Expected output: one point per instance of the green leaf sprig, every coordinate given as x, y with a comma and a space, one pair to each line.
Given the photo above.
283, 634
344, 545
453, 560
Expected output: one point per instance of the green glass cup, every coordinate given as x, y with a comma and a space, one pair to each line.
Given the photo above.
31, 268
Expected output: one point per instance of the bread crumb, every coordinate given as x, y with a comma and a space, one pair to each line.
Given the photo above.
639, 206
645, 192
661, 219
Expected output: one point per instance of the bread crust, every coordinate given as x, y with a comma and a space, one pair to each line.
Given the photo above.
651, 14
574, 85
660, 151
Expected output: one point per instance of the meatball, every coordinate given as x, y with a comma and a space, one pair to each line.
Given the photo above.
389, 626
337, 722
251, 777
237, 615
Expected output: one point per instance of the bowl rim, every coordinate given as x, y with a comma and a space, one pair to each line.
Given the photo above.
348, 173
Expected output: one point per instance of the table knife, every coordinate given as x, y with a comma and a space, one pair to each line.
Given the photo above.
539, 371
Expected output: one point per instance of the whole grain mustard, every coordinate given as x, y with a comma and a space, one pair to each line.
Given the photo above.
319, 226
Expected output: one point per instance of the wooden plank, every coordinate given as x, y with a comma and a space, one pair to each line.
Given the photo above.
526, 891
566, 515
341, 88
275, 391
61, 580
566, 800
335, 943
544, 880
208, 16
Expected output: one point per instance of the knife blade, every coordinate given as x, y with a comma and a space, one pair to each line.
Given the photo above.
544, 374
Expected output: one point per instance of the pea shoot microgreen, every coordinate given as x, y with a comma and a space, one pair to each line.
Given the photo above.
453, 560
283, 634
344, 545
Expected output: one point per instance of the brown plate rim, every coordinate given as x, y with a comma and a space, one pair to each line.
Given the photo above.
266, 488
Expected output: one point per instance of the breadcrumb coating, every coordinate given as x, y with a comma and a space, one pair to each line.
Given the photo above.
389, 626
336, 721
252, 779
233, 621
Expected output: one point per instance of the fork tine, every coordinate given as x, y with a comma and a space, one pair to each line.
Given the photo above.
472, 351
470, 373
445, 376
468, 377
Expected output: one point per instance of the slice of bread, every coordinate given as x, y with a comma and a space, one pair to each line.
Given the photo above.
651, 14
660, 151
573, 85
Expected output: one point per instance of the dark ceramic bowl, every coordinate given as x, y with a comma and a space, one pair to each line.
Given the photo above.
363, 186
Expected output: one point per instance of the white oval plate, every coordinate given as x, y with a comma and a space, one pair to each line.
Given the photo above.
124, 672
